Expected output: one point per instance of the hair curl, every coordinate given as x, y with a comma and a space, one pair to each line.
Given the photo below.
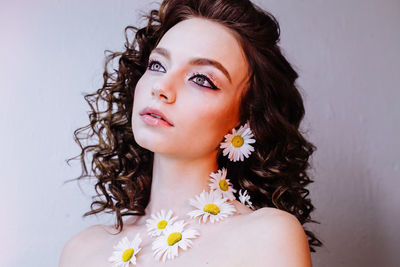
275, 175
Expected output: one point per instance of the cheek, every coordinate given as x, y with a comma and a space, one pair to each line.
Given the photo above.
139, 86
139, 94
138, 102
225, 119
212, 122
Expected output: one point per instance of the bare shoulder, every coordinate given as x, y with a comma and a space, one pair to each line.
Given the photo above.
82, 244
275, 218
279, 238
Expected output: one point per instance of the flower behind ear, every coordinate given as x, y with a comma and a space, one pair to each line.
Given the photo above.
237, 145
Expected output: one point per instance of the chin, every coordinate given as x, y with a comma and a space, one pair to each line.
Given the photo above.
143, 140
150, 142
151, 139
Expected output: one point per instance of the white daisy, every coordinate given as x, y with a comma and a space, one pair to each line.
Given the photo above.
211, 205
244, 198
238, 143
159, 222
166, 246
220, 184
125, 252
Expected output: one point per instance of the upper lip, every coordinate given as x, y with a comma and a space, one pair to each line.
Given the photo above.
149, 110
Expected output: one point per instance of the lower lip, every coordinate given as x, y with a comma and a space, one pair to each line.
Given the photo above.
150, 120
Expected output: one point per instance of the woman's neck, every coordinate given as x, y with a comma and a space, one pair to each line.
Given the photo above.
176, 180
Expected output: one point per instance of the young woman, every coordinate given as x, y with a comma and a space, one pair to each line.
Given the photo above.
199, 148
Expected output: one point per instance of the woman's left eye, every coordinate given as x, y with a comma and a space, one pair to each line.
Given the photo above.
204, 81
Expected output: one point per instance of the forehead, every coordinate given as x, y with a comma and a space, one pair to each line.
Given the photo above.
203, 38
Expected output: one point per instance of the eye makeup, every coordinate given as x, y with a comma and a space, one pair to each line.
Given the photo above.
205, 78
155, 65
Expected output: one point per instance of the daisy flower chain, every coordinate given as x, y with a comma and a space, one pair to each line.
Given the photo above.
125, 252
158, 223
222, 185
210, 205
244, 198
166, 246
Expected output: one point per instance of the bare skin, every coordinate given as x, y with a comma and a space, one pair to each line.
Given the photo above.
266, 237
185, 154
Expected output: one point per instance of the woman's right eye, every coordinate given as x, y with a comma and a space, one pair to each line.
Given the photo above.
155, 66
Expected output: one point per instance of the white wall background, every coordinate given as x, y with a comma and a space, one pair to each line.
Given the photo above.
347, 55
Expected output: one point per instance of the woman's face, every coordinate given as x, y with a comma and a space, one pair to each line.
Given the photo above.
195, 77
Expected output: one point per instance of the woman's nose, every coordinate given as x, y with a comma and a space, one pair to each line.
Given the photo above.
162, 95
164, 92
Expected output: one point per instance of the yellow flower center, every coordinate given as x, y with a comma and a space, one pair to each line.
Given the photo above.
174, 238
162, 224
127, 255
211, 208
237, 141
223, 185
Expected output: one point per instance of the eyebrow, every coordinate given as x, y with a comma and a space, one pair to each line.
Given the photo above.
196, 61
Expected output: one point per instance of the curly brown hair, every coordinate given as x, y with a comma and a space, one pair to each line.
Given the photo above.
275, 175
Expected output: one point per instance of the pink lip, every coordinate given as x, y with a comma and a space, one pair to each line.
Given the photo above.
145, 114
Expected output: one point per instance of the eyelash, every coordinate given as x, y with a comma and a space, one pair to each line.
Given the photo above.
195, 75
